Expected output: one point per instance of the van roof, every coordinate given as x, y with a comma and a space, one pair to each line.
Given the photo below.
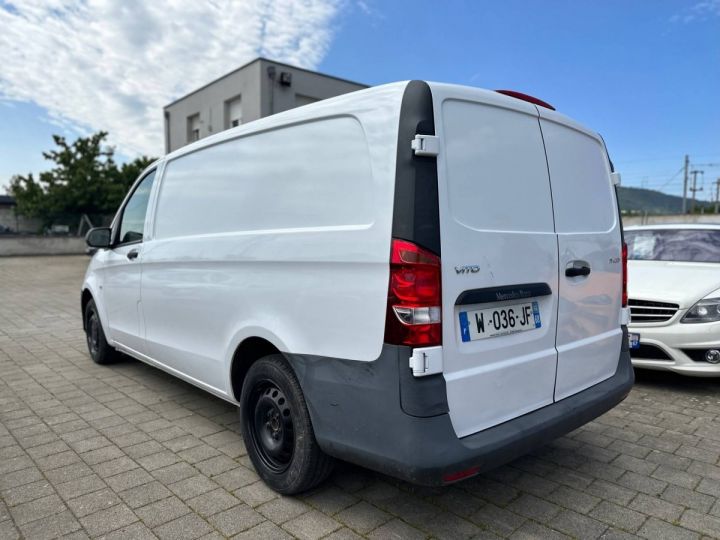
503, 100
384, 96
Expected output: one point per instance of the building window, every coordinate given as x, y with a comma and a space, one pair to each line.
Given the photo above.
193, 128
233, 112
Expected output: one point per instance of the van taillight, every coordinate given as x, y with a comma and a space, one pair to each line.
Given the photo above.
413, 308
624, 275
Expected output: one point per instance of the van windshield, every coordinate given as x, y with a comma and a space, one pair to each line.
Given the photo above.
687, 245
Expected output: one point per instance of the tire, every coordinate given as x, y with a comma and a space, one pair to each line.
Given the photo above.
277, 430
100, 351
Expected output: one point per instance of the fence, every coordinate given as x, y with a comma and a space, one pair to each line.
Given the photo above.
671, 219
12, 246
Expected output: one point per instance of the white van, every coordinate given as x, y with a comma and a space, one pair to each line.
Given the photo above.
423, 279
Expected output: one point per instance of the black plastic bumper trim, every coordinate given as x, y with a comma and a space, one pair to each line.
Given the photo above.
357, 416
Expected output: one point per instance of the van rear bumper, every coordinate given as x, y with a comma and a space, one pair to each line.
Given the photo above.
359, 415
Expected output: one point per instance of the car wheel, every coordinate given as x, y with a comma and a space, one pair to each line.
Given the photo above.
100, 351
277, 429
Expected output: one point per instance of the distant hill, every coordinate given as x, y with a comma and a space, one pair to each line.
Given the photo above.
638, 200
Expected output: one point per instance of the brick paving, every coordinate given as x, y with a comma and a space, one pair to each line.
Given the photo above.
126, 451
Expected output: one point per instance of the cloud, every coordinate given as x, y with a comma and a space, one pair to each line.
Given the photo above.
369, 10
701, 11
113, 64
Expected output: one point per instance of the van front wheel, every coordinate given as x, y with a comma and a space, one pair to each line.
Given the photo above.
277, 430
100, 350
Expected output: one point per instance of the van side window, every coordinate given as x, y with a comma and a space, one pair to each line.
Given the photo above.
132, 222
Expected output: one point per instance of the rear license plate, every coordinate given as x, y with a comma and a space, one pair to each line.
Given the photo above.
633, 340
500, 321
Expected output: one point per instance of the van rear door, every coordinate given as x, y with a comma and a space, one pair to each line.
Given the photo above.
499, 258
590, 254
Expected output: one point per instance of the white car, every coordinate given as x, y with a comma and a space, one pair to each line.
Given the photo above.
674, 290
408, 277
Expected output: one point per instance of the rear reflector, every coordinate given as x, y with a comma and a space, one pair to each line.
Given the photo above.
413, 309
525, 97
460, 475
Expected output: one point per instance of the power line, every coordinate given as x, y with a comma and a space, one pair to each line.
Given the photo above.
661, 184
656, 178
675, 184
681, 169
668, 158
665, 176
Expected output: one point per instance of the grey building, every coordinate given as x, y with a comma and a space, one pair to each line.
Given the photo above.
257, 89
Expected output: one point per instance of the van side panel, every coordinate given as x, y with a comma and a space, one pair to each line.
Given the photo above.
589, 333
286, 230
312, 175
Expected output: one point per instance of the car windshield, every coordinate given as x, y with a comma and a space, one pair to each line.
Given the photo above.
688, 245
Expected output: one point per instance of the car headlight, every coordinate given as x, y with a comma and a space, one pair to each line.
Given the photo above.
706, 310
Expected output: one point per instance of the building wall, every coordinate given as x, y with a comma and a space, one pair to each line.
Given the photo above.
18, 223
7, 217
260, 97
306, 86
13, 246
210, 104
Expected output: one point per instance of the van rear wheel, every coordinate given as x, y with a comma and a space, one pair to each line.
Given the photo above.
277, 429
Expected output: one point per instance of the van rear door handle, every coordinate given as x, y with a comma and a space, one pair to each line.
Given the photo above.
133, 254
577, 269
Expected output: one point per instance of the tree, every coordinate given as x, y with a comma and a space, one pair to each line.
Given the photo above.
84, 180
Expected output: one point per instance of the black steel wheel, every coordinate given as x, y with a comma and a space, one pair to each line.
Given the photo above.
100, 351
273, 435
277, 430
93, 333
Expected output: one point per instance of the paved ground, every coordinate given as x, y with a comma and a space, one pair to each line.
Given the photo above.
127, 451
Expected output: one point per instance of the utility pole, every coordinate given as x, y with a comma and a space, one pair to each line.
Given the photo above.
717, 196
685, 184
694, 189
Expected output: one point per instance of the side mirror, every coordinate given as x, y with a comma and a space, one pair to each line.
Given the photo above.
99, 237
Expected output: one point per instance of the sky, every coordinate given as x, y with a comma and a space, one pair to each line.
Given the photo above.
645, 74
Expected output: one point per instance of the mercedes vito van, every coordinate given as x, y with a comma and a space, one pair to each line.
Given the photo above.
423, 279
